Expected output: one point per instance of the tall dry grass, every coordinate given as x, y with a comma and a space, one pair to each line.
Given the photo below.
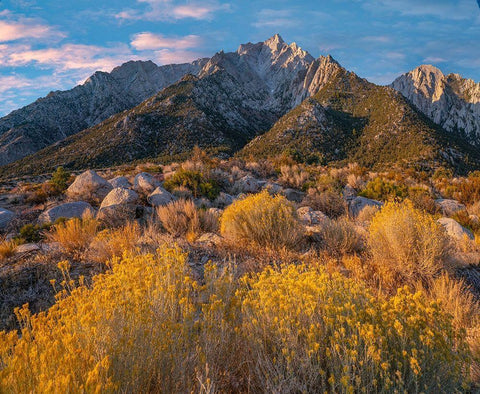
74, 235
182, 218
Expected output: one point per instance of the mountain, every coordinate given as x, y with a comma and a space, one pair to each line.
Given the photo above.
234, 97
450, 101
351, 119
64, 113
264, 99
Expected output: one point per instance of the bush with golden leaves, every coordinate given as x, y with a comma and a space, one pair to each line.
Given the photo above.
407, 245
147, 326
263, 219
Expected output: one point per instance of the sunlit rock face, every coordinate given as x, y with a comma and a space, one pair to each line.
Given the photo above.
450, 101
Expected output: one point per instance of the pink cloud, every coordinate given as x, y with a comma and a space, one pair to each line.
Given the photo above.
151, 41
167, 10
11, 30
68, 57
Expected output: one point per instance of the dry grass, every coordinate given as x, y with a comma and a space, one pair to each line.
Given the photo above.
114, 242
339, 237
7, 248
367, 214
293, 176
74, 235
182, 218
329, 202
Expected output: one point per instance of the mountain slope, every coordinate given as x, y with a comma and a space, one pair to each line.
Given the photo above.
236, 96
448, 100
63, 113
353, 120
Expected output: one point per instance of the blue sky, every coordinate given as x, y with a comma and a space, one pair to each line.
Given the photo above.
56, 44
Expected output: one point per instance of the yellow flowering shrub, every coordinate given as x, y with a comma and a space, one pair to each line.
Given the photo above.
312, 332
263, 219
147, 326
407, 245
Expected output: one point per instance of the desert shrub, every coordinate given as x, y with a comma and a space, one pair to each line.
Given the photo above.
182, 218
379, 189
367, 214
339, 237
195, 181
146, 326
60, 179
422, 199
293, 176
74, 235
469, 189
114, 242
407, 245
336, 337
465, 220
329, 202
7, 248
263, 219
33, 232
457, 300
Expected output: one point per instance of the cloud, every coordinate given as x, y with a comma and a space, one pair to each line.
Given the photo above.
151, 41
66, 57
10, 82
275, 18
13, 28
169, 10
442, 9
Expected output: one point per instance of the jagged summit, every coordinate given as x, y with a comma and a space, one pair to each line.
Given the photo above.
449, 100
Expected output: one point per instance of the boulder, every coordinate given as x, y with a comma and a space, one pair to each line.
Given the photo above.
145, 183
223, 200
293, 195
159, 197
120, 181
89, 186
202, 203
119, 196
455, 230
117, 215
309, 217
273, 188
449, 207
247, 184
6, 217
68, 210
357, 204
210, 239
27, 248
349, 193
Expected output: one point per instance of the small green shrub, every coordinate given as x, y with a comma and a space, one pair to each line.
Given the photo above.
60, 179
379, 189
195, 181
32, 233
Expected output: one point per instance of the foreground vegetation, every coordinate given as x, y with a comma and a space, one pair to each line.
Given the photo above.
258, 296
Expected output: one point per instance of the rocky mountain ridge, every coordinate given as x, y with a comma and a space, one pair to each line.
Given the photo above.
449, 100
64, 113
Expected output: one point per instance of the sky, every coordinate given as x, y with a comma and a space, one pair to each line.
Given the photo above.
48, 45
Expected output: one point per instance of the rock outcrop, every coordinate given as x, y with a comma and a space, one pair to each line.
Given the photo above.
450, 101
89, 186
68, 210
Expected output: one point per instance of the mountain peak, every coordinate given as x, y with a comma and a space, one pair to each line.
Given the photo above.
274, 42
